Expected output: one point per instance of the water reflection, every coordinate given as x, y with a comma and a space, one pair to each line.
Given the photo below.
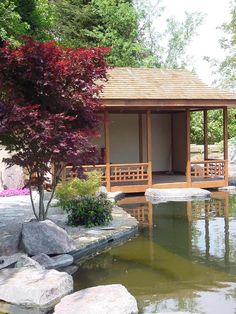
183, 258
198, 229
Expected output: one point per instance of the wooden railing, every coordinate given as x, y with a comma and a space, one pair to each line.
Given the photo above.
129, 172
208, 169
119, 173
70, 171
99, 168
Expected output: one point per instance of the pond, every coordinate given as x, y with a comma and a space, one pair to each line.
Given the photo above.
184, 258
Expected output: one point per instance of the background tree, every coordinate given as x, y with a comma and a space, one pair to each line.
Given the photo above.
224, 72
11, 24
49, 98
106, 23
165, 47
26, 17
130, 28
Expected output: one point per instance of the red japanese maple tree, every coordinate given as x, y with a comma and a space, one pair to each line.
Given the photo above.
48, 103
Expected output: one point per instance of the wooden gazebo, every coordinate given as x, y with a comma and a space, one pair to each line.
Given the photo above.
145, 141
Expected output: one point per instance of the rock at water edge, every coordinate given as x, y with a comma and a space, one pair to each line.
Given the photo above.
30, 287
107, 299
45, 237
58, 261
175, 194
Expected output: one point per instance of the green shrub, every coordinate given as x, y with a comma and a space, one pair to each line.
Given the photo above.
89, 210
78, 187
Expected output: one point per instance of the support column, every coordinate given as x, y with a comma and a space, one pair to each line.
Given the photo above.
225, 126
226, 218
188, 161
107, 150
205, 122
149, 146
140, 127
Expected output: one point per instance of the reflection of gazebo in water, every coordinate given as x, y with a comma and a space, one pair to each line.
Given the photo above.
165, 218
139, 208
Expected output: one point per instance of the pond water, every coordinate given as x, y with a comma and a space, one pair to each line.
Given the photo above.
184, 258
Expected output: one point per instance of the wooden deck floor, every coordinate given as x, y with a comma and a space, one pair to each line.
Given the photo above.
161, 181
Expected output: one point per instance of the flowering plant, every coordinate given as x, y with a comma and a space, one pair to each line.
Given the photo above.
14, 192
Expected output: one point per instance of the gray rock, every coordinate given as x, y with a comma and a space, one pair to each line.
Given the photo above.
115, 196
63, 260
6, 261
45, 237
25, 261
107, 299
228, 188
9, 243
58, 261
16, 309
176, 194
43, 259
33, 287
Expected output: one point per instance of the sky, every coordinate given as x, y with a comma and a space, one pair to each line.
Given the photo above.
206, 43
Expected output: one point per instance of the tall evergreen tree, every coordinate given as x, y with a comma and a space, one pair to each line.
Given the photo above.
109, 23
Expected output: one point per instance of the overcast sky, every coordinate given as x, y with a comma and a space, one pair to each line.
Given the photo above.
207, 42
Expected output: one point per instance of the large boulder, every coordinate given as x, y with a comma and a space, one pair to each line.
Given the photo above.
30, 287
45, 237
107, 299
13, 177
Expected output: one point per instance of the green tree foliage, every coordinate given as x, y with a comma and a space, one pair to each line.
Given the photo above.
107, 23
226, 69
25, 17
11, 24
39, 15
128, 27
225, 75
215, 126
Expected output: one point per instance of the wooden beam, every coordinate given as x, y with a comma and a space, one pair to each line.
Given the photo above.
107, 150
140, 127
205, 123
168, 103
149, 145
225, 132
188, 161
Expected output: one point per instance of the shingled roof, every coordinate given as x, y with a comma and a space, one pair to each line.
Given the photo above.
150, 83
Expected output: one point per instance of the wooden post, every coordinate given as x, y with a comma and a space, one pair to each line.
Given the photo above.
205, 122
140, 129
188, 161
149, 146
150, 215
63, 173
107, 150
225, 131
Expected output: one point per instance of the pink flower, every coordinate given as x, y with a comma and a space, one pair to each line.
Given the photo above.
14, 192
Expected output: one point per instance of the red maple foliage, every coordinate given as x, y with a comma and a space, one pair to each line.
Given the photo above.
48, 104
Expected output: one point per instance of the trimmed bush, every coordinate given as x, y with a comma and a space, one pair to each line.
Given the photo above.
89, 210
78, 187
